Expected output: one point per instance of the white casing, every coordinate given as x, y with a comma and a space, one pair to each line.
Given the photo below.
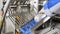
39, 17
55, 9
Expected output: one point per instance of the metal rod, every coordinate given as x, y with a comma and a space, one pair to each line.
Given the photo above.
5, 11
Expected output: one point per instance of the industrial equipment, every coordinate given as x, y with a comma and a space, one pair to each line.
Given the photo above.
49, 12
30, 17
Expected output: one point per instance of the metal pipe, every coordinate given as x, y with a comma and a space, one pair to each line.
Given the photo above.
6, 6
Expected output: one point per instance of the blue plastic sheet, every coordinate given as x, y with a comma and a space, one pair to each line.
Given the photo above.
28, 32
50, 3
28, 26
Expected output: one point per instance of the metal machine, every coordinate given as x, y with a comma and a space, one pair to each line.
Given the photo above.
24, 17
49, 12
